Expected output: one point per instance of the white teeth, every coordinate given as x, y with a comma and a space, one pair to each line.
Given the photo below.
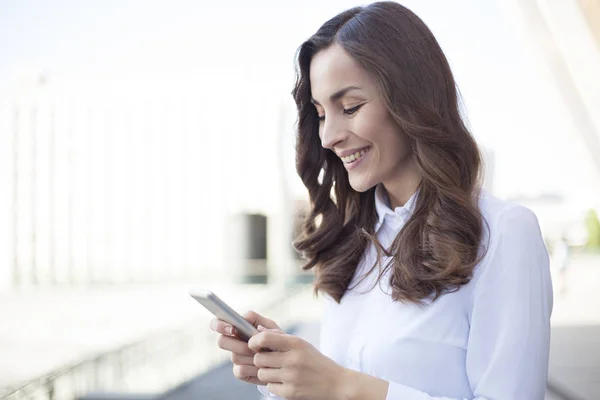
354, 157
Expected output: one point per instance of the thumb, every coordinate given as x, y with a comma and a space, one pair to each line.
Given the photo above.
256, 319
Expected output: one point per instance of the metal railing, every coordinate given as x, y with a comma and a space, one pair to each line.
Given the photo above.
152, 365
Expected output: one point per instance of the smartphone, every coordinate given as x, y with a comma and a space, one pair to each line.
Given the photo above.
244, 329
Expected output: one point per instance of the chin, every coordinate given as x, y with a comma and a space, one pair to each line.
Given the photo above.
360, 185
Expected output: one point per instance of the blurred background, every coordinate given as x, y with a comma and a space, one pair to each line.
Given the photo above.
148, 147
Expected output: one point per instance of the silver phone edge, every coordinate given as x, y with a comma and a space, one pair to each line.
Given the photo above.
234, 315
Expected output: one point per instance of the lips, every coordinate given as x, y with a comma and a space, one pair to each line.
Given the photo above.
355, 156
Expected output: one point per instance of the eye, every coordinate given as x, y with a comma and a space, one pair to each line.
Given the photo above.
350, 111
320, 118
347, 111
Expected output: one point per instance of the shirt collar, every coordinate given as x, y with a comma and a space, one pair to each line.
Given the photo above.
382, 206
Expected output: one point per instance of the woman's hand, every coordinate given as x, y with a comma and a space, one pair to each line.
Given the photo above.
241, 355
294, 369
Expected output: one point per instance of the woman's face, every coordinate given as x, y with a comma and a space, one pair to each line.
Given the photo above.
355, 124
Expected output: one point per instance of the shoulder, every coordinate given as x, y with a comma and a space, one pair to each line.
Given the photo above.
503, 218
512, 235
515, 260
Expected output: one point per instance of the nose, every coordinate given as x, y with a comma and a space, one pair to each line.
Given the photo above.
332, 133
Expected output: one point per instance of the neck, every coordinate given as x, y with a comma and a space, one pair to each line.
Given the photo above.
402, 187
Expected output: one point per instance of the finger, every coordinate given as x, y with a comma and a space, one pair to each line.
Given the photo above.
221, 327
269, 359
242, 359
271, 340
256, 319
245, 372
277, 389
262, 328
254, 380
234, 345
269, 375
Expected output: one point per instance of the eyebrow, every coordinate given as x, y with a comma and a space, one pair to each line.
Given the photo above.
337, 95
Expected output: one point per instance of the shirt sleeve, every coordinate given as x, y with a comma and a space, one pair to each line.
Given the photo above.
509, 339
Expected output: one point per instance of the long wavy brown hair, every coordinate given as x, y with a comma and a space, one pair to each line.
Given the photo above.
439, 246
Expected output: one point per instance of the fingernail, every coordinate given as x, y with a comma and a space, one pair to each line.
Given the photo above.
261, 328
228, 330
213, 324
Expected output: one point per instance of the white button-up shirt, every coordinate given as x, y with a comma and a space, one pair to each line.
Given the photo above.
488, 340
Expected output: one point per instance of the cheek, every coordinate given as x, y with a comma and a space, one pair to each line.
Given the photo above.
391, 143
378, 128
392, 153
401, 146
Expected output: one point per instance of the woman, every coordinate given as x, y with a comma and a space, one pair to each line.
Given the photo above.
435, 289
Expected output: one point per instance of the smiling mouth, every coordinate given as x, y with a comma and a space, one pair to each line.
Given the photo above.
352, 158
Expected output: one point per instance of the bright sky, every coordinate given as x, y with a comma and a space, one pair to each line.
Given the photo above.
511, 102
